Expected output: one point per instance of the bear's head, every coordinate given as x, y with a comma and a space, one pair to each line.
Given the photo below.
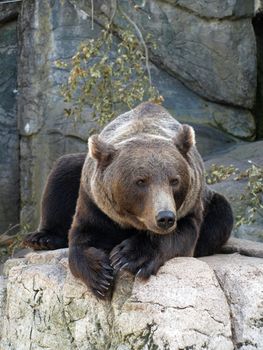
142, 182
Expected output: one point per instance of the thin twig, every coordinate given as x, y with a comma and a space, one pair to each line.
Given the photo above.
139, 33
92, 14
114, 6
4, 237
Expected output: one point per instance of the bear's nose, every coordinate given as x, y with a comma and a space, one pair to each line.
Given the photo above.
165, 219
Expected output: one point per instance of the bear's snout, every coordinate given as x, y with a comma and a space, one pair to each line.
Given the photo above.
165, 219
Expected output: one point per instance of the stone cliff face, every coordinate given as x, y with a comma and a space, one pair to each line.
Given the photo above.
204, 66
258, 26
204, 44
209, 303
9, 136
48, 31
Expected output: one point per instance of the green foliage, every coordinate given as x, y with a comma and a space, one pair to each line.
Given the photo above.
253, 194
108, 76
218, 173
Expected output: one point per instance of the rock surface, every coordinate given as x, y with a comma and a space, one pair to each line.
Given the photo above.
258, 27
9, 136
49, 31
216, 59
9, 11
216, 125
243, 247
209, 303
241, 278
212, 9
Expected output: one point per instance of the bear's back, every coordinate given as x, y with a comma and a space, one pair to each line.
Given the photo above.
146, 120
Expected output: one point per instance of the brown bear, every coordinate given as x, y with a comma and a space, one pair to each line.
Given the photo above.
137, 199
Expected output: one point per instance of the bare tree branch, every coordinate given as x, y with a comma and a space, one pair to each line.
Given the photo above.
139, 33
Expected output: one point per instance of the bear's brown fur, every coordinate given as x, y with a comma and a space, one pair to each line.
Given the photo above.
142, 200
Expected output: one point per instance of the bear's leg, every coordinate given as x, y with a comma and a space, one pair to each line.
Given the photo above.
91, 237
92, 266
58, 204
216, 227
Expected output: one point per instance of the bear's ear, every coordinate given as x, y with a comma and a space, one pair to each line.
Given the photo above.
185, 138
101, 151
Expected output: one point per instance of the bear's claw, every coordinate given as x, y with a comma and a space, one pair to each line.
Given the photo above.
40, 240
127, 256
103, 295
92, 265
123, 266
118, 263
102, 286
138, 272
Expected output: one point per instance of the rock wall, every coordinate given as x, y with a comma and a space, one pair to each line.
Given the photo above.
48, 31
209, 303
204, 44
258, 26
9, 135
204, 66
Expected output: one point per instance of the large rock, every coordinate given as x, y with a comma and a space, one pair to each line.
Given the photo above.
216, 59
241, 278
174, 310
183, 307
9, 136
47, 307
243, 247
2, 303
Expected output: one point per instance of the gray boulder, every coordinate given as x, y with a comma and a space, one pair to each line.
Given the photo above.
243, 247
241, 278
213, 303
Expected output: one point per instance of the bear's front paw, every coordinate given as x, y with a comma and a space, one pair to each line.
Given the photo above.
92, 266
101, 280
41, 240
138, 260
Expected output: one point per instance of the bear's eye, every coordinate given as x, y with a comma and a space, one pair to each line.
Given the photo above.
174, 182
141, 182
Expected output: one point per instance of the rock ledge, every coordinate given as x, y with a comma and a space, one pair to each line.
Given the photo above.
210, 303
